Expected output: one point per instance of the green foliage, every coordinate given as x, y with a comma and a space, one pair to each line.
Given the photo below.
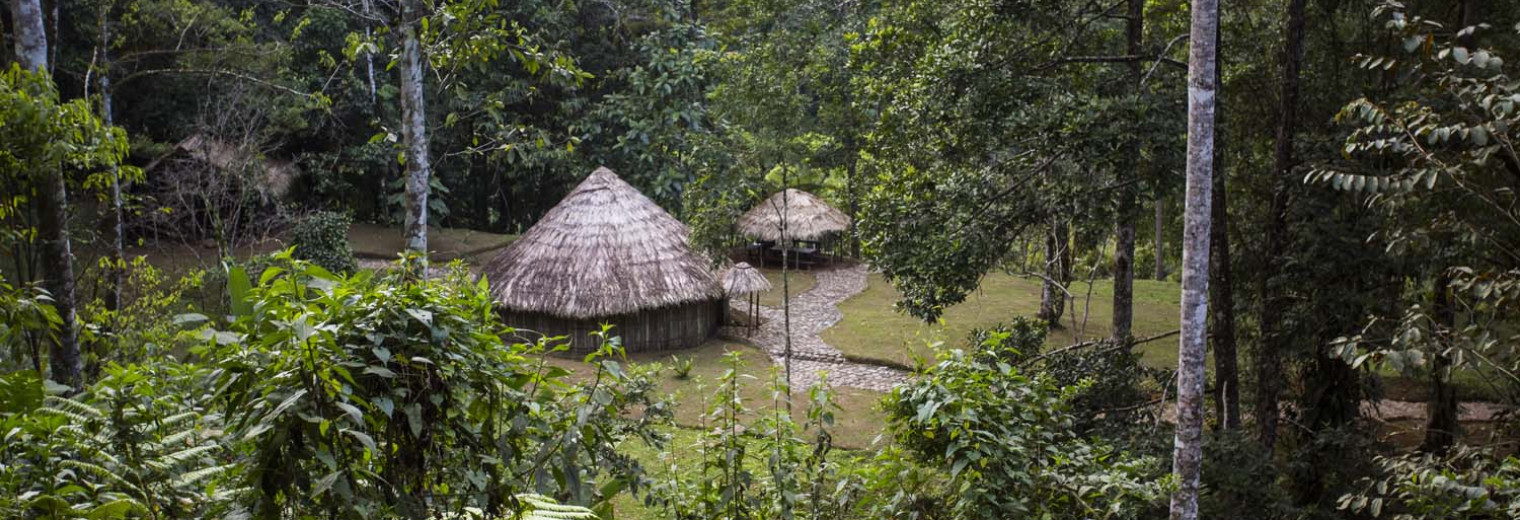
1467, 484
27, 319
42, 133
772, 468
360, 396
1007, 439
321, 238
138, 331
139, 443
681, 366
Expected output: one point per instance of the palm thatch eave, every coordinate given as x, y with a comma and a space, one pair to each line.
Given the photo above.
807, 217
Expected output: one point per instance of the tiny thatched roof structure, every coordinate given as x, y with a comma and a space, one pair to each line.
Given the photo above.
604, 250
744, 279
807, 217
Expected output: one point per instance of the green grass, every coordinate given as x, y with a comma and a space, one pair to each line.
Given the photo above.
857, 422
872, 330
801, 281
444, 244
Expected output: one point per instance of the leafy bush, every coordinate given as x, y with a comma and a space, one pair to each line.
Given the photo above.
27, 317
321, 238
1468, 483
363, 396
139, 443
138, 331
1007, 441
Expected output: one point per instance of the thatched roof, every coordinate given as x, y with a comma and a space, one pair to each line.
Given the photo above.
744, 279
276, 175
604, 250
807, 216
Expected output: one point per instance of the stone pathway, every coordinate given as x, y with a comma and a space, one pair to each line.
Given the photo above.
813, 312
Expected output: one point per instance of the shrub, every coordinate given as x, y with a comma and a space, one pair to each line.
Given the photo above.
138, 443
1468, 483
1007, 439
368, 396
321, 238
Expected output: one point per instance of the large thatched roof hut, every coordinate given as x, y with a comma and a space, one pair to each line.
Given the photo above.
608, 254
807, 217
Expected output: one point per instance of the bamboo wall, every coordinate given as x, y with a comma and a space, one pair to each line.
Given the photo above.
666, 328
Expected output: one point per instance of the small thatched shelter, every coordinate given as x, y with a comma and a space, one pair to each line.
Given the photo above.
807, 217
750, 282
744, 279
608, 254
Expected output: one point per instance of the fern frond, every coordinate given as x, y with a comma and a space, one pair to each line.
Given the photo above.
102, 472
175, 419
540, 507
195, 477
169, 461
73, 407
177, 439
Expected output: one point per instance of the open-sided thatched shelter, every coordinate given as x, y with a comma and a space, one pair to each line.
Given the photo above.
608, 254
742, 279
807, 217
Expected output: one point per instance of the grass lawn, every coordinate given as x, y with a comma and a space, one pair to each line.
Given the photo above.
444, 244
872, 330
801, 282
856, 423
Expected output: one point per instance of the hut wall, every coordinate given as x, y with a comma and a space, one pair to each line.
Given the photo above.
665, 328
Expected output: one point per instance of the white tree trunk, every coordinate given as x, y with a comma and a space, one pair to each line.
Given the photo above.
30, 34
1187, 460
414, 129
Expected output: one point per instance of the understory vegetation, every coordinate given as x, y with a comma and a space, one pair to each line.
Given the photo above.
1092, 259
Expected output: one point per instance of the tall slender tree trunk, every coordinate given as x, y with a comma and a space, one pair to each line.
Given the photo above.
1269, 353
1441, 426
1221, 292
1159, 272
414, 129
1128, 211
1052, 297
118, 215
1187, 459
369, 57
117, 257
53, 207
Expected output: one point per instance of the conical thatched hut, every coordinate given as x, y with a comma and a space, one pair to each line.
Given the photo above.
807, 217
608, 254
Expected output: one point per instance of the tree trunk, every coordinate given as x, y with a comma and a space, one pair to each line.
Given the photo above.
1442, 426
414, 130
1221, 293
53, 206
1187, 460
1124, 247
1268, 358
30, 36
1052, 298
1160, 271
369, 57
118, 216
